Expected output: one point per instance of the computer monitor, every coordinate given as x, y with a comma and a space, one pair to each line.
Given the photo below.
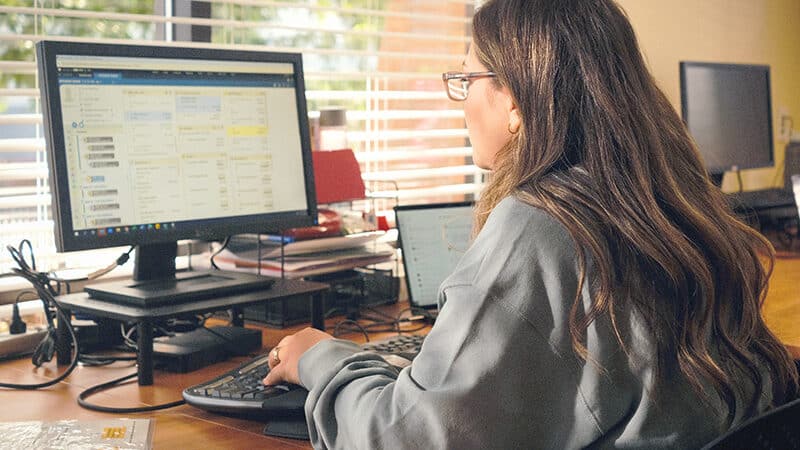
152, 144
728, 112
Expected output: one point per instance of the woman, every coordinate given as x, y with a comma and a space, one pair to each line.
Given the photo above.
609, 298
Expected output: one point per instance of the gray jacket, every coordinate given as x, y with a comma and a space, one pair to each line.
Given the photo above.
498, 370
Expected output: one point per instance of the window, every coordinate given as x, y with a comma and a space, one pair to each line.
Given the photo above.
379, 59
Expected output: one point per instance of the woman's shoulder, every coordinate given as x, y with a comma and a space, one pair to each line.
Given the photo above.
516, 226
512, 213
517, 238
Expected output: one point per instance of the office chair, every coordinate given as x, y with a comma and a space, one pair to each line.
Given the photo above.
777, 429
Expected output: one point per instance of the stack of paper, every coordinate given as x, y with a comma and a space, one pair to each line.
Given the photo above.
309, 257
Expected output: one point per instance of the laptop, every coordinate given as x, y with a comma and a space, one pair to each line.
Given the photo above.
432, 239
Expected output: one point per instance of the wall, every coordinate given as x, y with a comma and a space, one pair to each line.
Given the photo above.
731, 31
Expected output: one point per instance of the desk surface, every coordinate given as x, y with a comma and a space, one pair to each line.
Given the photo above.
782, 308
188, 427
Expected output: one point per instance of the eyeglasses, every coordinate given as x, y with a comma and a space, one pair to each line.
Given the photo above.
457, 83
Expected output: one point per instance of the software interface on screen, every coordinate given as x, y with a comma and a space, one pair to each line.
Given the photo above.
151, 143
433, 240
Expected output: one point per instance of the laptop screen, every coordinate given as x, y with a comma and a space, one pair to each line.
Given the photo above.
433, 238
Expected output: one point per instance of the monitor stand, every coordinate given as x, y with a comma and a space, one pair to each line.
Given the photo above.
155, 281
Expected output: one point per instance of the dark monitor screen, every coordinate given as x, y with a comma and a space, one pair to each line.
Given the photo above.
728, 112
155, 144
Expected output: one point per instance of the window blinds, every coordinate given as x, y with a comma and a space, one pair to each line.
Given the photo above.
381, 60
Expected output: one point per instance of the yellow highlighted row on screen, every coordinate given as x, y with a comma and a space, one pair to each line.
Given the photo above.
247, 130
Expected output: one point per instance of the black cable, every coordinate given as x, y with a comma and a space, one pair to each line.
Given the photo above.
219, 250
739, 178
26, 243
18, 257
45, 345
383, 322
379, 312
122, 259
24, 293
102, 360
336, 328
42, 284
45, 350
109, 384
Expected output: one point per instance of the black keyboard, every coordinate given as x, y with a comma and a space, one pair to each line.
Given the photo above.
397, 348
241, 392
761, 199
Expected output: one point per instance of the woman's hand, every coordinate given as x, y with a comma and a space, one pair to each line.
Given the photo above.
283, 359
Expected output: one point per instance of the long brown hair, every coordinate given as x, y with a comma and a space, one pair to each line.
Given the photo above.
603, 151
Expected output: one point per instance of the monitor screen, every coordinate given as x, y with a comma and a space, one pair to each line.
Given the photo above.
728, 112
154, 144
148, 145
433, 238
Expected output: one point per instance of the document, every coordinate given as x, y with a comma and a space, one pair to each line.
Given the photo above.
122, 434
245, 245
307, 264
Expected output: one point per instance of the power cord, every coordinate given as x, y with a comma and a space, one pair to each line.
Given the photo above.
17, 326
46, 348
123, 258
102, 360
108, 409
43, 285
219, 250
383, 322
739, 179
83, 396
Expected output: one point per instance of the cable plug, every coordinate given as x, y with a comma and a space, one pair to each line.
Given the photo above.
18, 326
45, 350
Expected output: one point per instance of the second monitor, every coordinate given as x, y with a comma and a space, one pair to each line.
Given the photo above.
728, 112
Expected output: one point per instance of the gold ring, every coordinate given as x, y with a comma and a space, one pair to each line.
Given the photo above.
275, 357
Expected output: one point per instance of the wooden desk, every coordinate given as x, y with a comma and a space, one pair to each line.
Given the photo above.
181, 427
782, 308
188, 427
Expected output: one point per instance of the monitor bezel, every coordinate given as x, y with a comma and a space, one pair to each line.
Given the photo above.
760, 68
209, 229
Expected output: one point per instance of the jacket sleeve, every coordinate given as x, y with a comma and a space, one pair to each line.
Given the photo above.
485, 378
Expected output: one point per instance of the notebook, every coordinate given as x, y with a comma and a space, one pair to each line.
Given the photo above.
433, 238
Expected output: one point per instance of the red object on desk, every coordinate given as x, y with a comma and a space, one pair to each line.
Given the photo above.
337, 176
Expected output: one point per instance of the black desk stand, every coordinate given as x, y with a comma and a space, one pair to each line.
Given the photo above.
144, 317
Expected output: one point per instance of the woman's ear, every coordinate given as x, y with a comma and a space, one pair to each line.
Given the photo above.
514, 120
